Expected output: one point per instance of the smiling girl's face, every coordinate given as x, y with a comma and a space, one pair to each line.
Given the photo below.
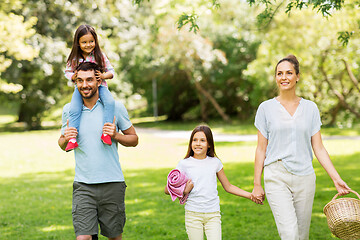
199, 145
87, 44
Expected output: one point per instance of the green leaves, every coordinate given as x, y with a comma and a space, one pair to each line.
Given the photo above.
324, 7
138, 2
215, 3
344, 37
188, 19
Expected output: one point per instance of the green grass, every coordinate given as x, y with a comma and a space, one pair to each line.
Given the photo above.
218, 126
36, 186
236, 127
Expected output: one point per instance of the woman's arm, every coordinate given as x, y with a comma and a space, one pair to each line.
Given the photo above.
260, 153
325, 161
228, 187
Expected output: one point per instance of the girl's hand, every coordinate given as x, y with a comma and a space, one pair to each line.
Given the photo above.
258, 193
74, 76
99, 75
256, 200
341, 187
70, 132
110, 128
188, 187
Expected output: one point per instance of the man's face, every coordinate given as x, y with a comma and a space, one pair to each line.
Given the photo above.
87, 84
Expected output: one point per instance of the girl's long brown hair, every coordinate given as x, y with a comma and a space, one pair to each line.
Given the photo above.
76, 52
209, 137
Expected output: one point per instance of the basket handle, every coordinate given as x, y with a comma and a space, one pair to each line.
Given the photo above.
336, 195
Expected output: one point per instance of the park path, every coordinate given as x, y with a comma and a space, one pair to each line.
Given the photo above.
219, 137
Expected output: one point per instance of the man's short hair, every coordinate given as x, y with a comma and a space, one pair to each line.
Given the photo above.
87, 66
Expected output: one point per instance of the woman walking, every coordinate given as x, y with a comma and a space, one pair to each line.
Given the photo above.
288, 130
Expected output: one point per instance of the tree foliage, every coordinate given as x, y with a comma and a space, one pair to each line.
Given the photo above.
272, 7
326, 66
224, 70
13, 40
198, 74
47, 28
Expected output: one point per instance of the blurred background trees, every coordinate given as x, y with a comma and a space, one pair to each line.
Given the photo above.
223, 71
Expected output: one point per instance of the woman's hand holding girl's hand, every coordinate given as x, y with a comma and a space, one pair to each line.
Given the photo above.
341, 187
99, 75
256, 200
258, 194
188, 187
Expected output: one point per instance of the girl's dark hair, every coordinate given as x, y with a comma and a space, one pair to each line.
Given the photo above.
76, 52
291, 59
209, 137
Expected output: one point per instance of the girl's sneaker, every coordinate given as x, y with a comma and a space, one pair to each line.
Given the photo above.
72, 144
106, 139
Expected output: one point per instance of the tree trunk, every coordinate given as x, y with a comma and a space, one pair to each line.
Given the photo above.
334, 113
203, 109
29, 114
340, 95
351, 75
208, 96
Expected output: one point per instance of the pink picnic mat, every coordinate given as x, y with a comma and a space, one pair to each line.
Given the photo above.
176, 182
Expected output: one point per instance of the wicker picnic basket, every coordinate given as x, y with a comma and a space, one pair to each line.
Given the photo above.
343, 217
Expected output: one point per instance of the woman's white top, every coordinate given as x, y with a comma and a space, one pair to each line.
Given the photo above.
204, 196
289, 137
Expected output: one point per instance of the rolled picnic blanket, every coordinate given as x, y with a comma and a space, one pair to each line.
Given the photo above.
176, 182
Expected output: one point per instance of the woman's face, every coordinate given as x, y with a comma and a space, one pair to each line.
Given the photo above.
286, 76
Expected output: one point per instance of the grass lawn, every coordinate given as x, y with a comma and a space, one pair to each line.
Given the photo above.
236, 127
36, 186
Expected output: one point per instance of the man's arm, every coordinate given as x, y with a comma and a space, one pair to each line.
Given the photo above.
62, 142
128, 138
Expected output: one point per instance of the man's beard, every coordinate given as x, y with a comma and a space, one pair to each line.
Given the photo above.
89, 95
